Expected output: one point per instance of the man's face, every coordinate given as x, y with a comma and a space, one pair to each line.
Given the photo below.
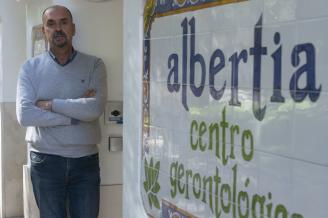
58, 27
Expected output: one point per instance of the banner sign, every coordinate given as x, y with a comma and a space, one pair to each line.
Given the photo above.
234, 110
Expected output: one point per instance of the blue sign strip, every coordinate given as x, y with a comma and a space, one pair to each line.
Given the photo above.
164, 6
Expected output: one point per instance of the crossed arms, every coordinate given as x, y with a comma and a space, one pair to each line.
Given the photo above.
55, 112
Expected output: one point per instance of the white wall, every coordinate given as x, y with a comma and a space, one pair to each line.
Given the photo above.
13, 149
34, 9
1, 81
13, 50
132, 70
101, 36
99, 33
14, 45
0, 98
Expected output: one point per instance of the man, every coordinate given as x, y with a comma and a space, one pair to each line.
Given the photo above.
60, 96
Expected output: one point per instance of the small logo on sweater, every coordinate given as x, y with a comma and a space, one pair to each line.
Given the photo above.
82, 80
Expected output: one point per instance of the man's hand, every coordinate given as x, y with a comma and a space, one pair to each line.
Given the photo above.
45, 105
89, 93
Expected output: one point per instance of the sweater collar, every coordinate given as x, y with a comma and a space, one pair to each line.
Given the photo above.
70, 59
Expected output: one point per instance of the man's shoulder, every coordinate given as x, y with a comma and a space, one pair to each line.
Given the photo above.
36, 60
87, 57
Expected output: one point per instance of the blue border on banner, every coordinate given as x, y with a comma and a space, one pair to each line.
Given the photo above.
164, 6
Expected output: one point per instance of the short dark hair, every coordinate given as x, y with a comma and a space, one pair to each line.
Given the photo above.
57, 6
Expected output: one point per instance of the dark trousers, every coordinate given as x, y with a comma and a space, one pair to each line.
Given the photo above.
59, 181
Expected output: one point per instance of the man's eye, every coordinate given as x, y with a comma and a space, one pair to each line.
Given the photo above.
50, 24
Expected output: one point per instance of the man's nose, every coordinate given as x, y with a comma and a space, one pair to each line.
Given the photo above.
58, 26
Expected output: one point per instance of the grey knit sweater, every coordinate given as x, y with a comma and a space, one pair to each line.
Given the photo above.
53, 132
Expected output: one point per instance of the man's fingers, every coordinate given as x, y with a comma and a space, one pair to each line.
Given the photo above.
40, 104
92, 93
45, 105
89, 93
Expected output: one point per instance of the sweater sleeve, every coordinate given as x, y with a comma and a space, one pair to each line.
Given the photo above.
27, 113
86, 109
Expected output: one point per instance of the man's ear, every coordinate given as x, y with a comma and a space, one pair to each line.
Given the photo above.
43, 31
73, 29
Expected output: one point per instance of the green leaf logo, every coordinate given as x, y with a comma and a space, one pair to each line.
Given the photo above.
151, 185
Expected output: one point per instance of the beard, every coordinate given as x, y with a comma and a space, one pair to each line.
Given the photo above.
59, 39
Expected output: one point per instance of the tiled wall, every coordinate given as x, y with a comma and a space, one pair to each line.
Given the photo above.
13, 158
13, 148
287, 166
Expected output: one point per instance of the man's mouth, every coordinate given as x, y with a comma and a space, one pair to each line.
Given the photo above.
59, 37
